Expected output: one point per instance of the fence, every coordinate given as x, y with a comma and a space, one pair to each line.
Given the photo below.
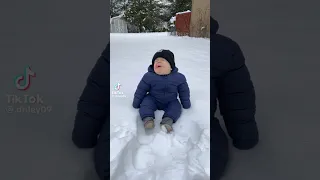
118, 25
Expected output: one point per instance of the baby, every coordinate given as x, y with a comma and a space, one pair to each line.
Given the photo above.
158, 90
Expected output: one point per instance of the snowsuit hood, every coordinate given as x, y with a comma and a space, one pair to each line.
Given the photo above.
214, 26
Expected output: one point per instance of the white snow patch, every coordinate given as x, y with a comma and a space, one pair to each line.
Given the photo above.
137, 154
173, 19
164, 2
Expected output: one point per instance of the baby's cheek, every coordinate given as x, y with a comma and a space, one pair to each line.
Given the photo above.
157, 71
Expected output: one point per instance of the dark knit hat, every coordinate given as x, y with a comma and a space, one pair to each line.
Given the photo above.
166, 54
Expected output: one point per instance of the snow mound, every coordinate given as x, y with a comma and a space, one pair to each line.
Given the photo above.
137, 154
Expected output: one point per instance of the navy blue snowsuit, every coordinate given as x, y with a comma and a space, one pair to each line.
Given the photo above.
160, 92
91, 126
231, 85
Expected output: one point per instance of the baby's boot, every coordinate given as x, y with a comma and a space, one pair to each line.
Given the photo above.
166, 124
148, 123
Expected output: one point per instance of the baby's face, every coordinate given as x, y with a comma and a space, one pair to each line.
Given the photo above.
162, 66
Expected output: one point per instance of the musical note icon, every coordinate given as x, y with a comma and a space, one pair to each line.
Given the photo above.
23, 82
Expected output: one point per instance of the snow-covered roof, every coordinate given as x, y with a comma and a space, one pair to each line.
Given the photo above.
183, 12
116, 17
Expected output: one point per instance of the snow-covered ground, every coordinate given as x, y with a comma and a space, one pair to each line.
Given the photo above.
139, 155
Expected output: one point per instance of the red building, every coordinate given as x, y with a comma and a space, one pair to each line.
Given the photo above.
182, 23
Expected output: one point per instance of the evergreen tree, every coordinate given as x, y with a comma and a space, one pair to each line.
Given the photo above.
179, 6
117, 7
148, 15
165, 11
145, 14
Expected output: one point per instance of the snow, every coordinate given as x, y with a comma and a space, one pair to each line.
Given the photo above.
164, 2
173, 19
183, 12
137, 154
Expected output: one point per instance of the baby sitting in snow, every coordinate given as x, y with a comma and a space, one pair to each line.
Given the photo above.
158, 90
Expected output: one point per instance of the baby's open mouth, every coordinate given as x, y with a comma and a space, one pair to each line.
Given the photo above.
158, 66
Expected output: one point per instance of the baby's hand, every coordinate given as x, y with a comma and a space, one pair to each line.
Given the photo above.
186, 104
135, 105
